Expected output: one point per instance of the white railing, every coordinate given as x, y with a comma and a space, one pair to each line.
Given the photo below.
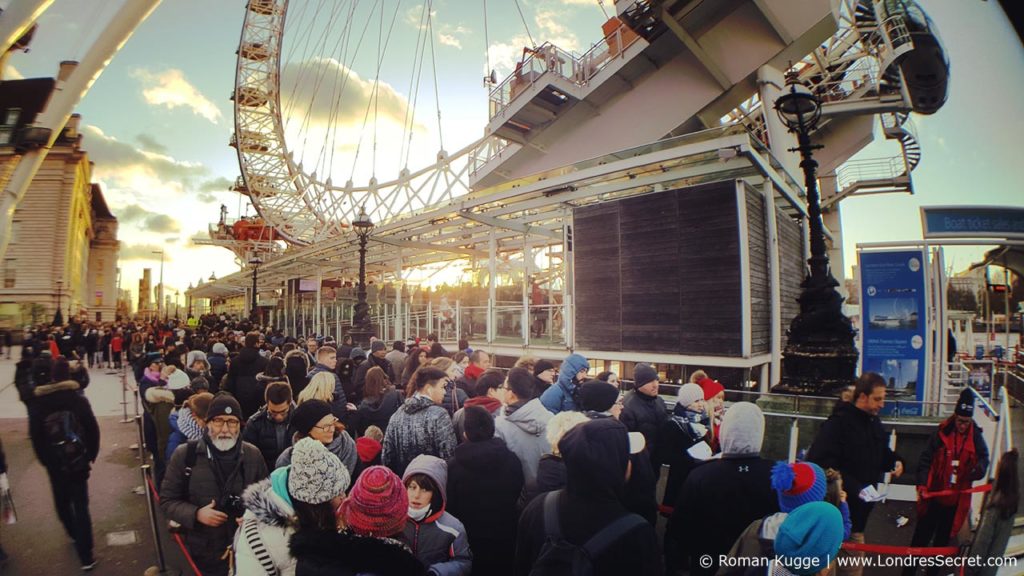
869, 169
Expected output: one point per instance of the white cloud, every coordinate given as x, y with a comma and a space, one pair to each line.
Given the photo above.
449, 40
171, 89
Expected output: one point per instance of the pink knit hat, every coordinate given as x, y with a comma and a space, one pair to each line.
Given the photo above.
377, 505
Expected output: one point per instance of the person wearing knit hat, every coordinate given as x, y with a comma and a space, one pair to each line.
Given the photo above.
955, 457
808, 540
599, 399
645, 412
191, 494
544, 373
373, 515
314, 419
714, 400
312, 487
438, 538
377, 505
685, 440
797, 484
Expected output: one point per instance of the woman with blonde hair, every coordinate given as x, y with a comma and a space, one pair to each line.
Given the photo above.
454, 397
320, 387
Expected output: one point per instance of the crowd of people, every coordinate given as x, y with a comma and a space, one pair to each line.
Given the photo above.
311, 456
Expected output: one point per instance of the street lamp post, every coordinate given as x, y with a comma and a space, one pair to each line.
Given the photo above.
255, 262
820, 355
361, 326
188, 297
160, 298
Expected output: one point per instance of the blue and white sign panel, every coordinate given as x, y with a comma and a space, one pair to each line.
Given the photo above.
894, 322
972, 222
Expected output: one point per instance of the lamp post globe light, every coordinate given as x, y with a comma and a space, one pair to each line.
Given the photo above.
255, 262
361, 327
820, 356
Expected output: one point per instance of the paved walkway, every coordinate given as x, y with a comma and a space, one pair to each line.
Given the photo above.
37, 544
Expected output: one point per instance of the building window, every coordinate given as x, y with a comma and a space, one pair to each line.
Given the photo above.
15, 231
12, 116
9, 273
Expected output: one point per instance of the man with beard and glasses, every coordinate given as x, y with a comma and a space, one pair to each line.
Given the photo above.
204, 481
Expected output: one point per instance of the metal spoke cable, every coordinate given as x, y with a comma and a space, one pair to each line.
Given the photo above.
433, 63
525, 25
414, 82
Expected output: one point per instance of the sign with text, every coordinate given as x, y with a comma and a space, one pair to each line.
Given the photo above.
893, 323
972, 222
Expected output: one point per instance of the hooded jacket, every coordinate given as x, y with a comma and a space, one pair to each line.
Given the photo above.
524, 431
269, 510
330, 553
722, 497
378, 413
485, 480
242, 382
592, 499
439, 540
419, 426
343, 446
854, 442
218, 369
55, 397
159, 404
560, 397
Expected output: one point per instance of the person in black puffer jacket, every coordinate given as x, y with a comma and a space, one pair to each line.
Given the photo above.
296, 368
241, 380
218, 359
644, 411
485, 480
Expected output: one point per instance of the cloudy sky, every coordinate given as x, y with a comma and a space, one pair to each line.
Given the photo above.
157, 122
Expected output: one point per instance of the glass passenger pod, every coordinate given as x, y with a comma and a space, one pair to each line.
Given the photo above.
925, 68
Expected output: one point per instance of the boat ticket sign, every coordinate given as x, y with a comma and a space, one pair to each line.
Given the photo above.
973, 222
894, 324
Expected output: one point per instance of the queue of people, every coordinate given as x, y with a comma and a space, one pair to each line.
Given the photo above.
284, 459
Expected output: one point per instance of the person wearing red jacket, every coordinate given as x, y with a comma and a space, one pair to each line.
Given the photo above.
955, 457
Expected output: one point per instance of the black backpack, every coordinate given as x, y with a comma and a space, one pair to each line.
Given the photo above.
63, 434
563, 558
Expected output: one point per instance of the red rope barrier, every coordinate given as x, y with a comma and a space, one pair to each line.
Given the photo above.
901, 550
954, 492
177, 537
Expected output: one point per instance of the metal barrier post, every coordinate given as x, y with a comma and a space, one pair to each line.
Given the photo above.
151, 508
794, 439
124, 397
142, 440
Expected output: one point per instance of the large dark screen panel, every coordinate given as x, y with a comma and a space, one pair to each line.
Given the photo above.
660, 273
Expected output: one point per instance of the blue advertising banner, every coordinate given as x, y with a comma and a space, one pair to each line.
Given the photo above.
893, 301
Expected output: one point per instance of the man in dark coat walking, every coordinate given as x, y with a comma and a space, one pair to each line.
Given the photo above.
853, 441
58, 408
722, 497
484, 482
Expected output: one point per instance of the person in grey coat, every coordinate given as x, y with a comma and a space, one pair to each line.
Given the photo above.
205, 500
421, 425
522, 423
